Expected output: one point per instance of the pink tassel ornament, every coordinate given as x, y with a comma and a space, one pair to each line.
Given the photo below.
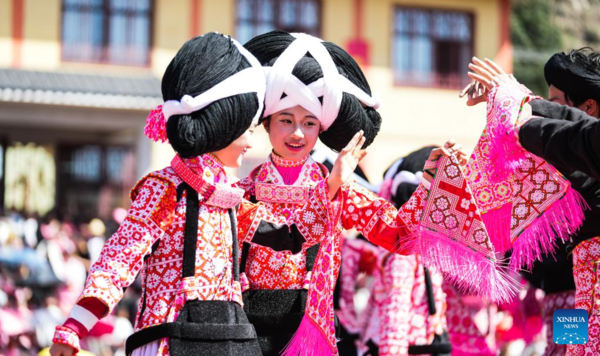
308, 341
156, 125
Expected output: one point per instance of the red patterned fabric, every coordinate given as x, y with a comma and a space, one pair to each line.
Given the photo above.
403, 310
552, 302
586, 271
454, 239
357, 256
353, 207
471, 324
525, 202
155, 216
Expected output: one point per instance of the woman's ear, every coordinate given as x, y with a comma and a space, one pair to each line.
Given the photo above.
591, 108
266, 122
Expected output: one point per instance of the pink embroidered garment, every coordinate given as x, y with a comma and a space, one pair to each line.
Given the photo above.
353, 207
471, 324
403, 310
157, 217
453, 239
525, 202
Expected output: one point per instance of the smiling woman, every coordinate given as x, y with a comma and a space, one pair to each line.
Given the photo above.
293, 133
315, 89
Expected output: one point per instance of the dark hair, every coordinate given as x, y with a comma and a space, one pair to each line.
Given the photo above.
200, 64
352, 116
413, 162
589, 59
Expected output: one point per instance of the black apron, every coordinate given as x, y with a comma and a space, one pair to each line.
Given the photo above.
202, 327
276, 314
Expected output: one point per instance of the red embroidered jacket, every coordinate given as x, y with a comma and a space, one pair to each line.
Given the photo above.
374, 217
156, 217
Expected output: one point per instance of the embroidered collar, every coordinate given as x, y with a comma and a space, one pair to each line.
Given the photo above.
282, 162
207, 176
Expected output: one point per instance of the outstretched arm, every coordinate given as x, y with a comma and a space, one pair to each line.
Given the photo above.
574, 145
565, 136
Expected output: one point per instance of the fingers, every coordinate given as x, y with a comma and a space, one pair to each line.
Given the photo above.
468, 89
488, 68
354, 141
362, 141
362, 155
481, 70
487, 83
435, 154
450, 143
495, 66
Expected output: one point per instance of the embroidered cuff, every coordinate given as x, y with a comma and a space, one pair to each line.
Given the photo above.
66, 336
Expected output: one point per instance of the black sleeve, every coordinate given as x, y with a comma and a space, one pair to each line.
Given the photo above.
545, 108
574, 145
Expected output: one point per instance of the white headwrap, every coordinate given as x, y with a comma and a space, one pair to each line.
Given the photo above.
249, 80
331, 87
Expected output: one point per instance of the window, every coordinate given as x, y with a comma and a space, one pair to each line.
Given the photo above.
254, 17
432, 48
93, 180
107, 31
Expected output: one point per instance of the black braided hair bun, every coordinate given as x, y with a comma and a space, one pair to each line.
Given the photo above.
352, 116
200, 64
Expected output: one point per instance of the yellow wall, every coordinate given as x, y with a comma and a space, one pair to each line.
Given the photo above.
171, 30
218, 16
6, 45
414, 117
41, 48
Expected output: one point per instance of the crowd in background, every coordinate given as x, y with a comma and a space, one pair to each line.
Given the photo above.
43, 267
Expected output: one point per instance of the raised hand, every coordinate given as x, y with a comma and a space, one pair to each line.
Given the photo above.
449, 148
476, 93
346, 163
489, 74
486, 74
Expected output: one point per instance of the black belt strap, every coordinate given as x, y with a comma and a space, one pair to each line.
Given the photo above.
190, 237
429, 290
208, 332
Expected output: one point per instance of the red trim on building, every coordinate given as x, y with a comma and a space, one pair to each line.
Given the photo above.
17, 31
358, 47
195, 17
505, 53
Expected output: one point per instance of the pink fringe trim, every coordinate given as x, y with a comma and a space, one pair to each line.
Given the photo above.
504, 149
156, 125
308, 341
497, 224
468, 270
562, 220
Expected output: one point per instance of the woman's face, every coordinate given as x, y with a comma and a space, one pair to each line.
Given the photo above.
233, 155
293, 132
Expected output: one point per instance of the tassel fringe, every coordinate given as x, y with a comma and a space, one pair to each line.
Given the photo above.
497, 224
562, 220
469, 271
308, 341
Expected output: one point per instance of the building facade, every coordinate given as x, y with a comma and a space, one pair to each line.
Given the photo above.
77, 78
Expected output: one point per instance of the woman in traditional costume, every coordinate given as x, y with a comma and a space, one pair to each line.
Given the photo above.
180, 232
314, 90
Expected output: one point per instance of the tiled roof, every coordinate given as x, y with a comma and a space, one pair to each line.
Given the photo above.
59, 88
